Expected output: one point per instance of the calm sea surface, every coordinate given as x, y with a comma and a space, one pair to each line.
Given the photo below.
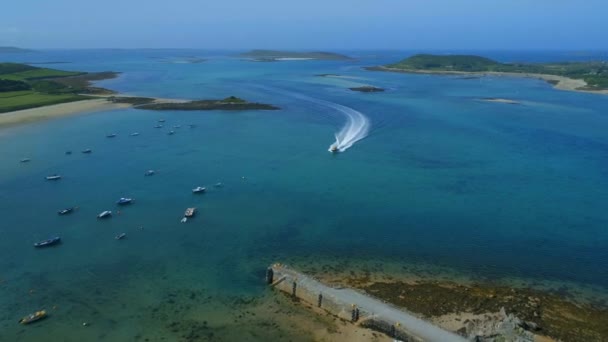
443, 179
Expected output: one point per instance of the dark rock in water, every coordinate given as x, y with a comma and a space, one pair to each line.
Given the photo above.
367, 89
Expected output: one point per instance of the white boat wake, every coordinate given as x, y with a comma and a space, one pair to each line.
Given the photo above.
357, 125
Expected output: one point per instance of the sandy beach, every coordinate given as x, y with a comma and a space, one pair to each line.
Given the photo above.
559, 82
58, 110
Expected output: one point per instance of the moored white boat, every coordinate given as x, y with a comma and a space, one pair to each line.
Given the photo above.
104, 214
199, 189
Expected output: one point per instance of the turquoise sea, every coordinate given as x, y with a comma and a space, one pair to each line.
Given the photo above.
494, 190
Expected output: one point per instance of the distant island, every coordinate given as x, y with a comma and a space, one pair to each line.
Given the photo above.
12, 49
274, 55
580, 76
229, 103
367, 89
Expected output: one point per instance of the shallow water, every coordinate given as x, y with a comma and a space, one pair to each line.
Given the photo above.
490, 189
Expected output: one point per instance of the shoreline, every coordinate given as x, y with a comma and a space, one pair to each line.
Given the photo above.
58, 110
558, 82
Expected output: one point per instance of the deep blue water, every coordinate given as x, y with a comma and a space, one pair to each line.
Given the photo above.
489, 189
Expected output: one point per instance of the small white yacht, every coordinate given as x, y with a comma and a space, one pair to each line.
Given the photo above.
53, 177
134, 134
199, 189
104, 214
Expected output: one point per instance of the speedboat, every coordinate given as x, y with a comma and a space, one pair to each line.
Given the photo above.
149, 173
199, 189
134, 134
190, 212
36, 316
124, 200
112, 135
24, 160
334, 149
120, 236
158, 126
104, 214
47, 243
53, 177
171, 132
66, 211
88, 150
161, 120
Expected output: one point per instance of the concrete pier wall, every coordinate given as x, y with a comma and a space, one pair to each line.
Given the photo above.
357, 307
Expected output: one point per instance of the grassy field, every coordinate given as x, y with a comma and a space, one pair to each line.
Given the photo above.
24, 86
17, 100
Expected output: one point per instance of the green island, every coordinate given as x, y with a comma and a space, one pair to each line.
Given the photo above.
367, 89
274, 55
591, 76
229, 103
24, 86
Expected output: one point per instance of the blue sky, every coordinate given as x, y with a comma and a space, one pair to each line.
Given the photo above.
306, 24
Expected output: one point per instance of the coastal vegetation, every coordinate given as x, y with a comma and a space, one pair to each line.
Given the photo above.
594, 73
24, 86
229, 103
274, 55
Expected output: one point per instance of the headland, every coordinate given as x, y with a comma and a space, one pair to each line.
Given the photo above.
590, 77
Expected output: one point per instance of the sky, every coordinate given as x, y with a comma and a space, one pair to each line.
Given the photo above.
306, 24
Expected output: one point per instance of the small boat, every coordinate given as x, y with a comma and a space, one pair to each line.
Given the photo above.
124, 200
199, 189
53, 177
47, 243
134, 134
334, 149
112, 135
24, 160
31, 318
88, 150
66, 211
158, 126
184, 220
171, 132
218, 185
190, 212
149, 173
68, 152
104, 214
161, 120
120, 236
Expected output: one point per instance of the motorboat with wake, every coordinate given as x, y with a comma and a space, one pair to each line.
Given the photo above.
120, 236
199, 189
134, 134
334, 148
66, 211
31, 318
124, 200
47, 243
104, 214
53, 177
